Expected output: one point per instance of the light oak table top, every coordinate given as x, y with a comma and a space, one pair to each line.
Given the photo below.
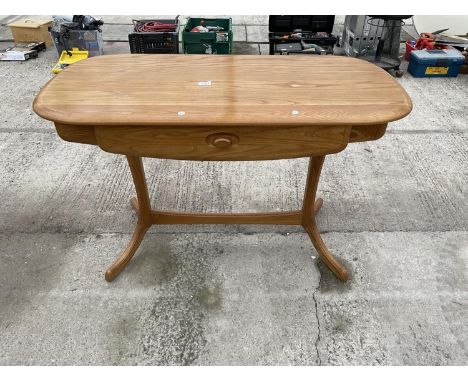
244, 90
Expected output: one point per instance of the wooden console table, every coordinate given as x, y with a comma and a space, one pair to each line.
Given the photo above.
222, 108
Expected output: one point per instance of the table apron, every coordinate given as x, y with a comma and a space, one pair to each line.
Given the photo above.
86, 134
222, 143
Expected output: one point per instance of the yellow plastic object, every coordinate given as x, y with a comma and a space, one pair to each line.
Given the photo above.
68, 59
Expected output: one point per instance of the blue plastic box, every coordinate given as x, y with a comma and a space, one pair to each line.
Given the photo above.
435, 63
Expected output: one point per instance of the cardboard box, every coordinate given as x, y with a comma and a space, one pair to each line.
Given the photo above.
28, 30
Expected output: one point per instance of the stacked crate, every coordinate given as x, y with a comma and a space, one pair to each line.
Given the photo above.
314, 29
146, 39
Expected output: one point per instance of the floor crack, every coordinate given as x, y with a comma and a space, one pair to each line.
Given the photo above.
318, 321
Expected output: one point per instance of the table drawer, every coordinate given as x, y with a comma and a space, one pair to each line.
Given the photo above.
229, 143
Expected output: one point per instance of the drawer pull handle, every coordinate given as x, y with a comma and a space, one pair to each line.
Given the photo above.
222, 140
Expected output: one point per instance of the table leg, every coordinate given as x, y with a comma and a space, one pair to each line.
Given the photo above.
148, 217
309, 209
142, 206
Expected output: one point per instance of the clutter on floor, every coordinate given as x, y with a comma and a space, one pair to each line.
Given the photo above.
28, 30
30, 36
375, 39
435, 40
436, 54
155, 36
77, 31
435, 63
207, 36
22, 52
69, 57
301, 34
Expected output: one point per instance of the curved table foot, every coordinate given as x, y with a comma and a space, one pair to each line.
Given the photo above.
310, 207
330, 261
138, 235
142, 206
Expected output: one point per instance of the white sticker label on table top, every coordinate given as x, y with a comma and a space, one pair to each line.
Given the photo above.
204, 83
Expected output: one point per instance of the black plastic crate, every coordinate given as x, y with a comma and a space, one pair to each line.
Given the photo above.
287, 23
315, 30
154, 42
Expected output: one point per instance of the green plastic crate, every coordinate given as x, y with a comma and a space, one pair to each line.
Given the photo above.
207, 42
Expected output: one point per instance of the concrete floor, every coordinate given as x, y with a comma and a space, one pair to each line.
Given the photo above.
395, 213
